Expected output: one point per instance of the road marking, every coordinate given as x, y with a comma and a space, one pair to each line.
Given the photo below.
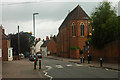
69, 65
58, 66
79, 65
46, 74
48, 67
106, 69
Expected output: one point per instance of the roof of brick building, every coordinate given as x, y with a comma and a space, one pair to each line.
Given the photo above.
76, 14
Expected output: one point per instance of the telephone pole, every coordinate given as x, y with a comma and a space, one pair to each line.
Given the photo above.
18, 41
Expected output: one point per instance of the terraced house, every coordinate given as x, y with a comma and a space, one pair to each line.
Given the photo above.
73, 33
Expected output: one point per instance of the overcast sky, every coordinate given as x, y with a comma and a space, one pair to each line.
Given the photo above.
51, 14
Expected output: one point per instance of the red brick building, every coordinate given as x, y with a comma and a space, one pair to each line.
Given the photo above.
52, 46
73, 33
4, 44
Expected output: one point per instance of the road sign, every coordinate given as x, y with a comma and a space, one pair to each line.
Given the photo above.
86, 49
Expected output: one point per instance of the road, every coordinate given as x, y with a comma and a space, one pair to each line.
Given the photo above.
64, 69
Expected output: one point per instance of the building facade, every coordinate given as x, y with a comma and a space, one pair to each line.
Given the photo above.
73, 32
52, 46
6, 50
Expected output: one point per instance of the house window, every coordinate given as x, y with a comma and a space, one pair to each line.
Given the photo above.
73, 29
82, 29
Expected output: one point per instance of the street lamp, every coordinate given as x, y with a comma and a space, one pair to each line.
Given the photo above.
34, 28
34, 22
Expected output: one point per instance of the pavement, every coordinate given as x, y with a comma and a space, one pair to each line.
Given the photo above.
92, 63
0, 68
20, 69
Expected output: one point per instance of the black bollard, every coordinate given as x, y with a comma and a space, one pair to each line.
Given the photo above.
39, 64
100, 62
35, 64
83, 59
88, 59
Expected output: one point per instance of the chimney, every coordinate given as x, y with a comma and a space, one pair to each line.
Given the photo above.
51, 37
68, 11
47, 38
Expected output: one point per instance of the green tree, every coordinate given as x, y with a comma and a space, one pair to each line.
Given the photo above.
26, 41
105, 23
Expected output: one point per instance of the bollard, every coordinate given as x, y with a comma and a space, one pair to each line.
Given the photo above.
39, 64
88, 59
83, 59
100, 62
35, 64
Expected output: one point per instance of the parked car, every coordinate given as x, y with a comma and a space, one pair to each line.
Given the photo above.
32, 57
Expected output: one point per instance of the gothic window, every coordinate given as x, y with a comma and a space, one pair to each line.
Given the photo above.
82, 29
73, 29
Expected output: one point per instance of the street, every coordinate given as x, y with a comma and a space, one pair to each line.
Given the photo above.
65, 69
52, 69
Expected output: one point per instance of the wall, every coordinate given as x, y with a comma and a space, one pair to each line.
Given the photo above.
51, 46
110, 53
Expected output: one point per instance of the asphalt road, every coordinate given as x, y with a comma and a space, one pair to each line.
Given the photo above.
64, 69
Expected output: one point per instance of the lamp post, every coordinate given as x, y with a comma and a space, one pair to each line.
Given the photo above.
34, 28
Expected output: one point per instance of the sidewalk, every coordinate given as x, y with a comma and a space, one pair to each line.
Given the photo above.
20, 69
92, 63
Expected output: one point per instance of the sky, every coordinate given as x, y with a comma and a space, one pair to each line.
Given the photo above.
50, 17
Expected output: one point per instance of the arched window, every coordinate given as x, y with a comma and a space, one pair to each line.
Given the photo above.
73, 29
82, 29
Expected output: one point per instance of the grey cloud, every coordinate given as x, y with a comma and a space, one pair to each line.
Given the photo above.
47, 10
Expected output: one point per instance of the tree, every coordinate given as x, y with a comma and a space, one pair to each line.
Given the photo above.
105, 23
26, 41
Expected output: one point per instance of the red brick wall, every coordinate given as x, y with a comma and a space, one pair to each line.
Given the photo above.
110, 52
3, 45
4, 50
52, 47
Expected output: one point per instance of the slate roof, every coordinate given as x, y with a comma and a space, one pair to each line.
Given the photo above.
45, 43
76, 14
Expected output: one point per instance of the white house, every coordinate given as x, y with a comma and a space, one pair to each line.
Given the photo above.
38, 46
44, 48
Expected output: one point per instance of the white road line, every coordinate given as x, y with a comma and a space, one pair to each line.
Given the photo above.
79, 65
58, 66
69, 65
46, 74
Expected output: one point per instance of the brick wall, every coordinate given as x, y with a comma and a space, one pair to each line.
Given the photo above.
51, 46
110, 52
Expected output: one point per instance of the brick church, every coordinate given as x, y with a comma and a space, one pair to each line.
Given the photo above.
73, 33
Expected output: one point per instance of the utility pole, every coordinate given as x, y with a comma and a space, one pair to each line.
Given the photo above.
18, 41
